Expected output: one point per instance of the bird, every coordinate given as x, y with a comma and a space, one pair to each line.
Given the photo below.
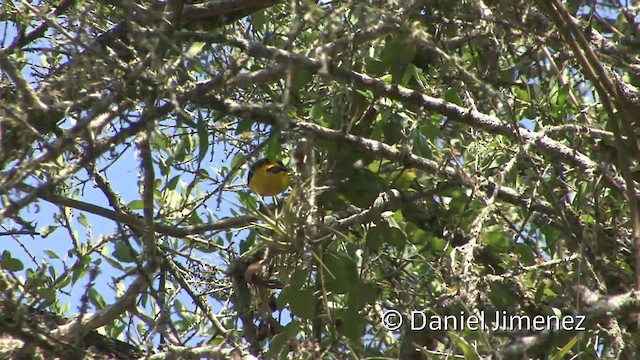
268, 178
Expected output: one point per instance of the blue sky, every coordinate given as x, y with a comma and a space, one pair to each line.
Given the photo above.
123, 176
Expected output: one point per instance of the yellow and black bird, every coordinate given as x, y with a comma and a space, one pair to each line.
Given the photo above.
267, 178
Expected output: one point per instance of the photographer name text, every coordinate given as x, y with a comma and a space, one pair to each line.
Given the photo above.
497, 320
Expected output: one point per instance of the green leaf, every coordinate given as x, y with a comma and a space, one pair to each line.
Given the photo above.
300, 79
10, 263
244, 125
384, 233
82, 219
124, 253
563, 94
342, 276
522, 93
368, 94
362, 188
274, 147
136, 204
277, 344
258, 20
48, 230
418, 75
203, 138
375, 238
501, 296
80, 270
437, 244
366, 294
171, 184
96, 299
453, 96
376, 68
397, 50
350, 324
408, 75
497, 240
196, 48
51, 254
299, 278
285, 295
317, 111
114, 263
468, 350
48, 294
388, 78
303, 304
417, 236
566, 348
525, 254
182, 148
421, 144
246, 244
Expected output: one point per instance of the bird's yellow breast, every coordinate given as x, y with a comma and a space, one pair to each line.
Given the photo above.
269, 180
